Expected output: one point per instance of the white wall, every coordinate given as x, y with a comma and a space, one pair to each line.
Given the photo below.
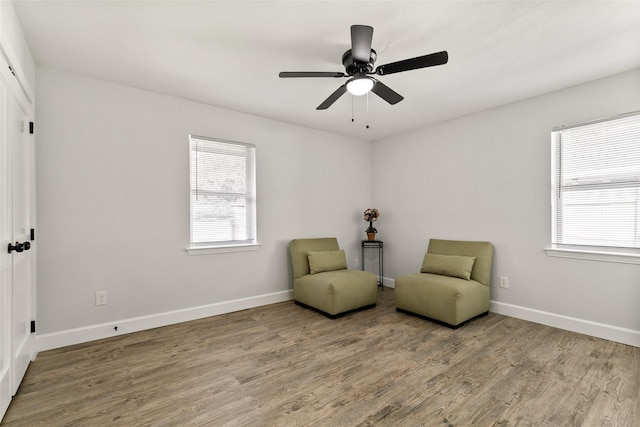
487, 177
113, 202
112, 165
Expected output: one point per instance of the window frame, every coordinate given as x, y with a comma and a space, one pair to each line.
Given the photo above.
627, 255
250, 196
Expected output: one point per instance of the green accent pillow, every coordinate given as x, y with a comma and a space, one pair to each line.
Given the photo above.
448, 265
326, 261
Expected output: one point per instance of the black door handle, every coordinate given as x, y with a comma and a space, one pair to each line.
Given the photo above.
19, 247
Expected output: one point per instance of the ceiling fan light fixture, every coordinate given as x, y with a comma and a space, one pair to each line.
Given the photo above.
360, 85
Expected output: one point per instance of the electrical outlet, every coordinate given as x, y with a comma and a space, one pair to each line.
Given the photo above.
356, 262
101, 297
504, 282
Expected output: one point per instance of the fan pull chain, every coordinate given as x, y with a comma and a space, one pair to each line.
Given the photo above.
367, 110
352, 102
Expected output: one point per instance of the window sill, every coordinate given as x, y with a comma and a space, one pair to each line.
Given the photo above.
205, 250
594, 255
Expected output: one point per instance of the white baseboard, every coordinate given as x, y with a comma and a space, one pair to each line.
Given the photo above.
587, 327
126, 326
389, 283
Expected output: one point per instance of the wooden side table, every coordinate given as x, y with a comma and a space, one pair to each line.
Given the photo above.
375, 244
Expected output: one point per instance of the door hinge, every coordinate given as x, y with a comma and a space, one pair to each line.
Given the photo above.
33, 234
31, 125
33, 326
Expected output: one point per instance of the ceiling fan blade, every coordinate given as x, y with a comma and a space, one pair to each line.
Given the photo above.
332, 98
386, 93
287, 74
430, 60
361, 36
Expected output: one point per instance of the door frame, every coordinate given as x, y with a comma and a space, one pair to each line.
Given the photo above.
13, 90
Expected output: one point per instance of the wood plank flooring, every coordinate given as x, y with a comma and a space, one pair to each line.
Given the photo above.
284, 365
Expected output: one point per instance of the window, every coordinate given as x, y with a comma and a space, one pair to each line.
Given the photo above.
596, 186
223, 193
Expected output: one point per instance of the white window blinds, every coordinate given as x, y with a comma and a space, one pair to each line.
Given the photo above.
596, 183
223, 192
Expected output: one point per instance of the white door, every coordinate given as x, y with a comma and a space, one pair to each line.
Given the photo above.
22, 342
17, 344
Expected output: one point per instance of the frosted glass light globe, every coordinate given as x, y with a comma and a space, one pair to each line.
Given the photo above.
360, 85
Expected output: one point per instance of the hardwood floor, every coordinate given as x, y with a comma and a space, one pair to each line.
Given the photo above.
284, 365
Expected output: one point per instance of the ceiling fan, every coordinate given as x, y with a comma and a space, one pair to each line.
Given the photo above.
358, 63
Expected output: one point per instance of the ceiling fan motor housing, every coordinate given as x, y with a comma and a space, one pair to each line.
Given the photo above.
354, 68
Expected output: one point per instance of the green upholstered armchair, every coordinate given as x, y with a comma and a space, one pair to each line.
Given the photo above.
453, 284
321, 279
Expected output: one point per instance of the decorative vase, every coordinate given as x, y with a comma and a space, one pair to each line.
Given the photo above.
371, 236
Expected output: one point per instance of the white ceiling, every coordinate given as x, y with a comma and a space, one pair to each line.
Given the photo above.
229, 53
